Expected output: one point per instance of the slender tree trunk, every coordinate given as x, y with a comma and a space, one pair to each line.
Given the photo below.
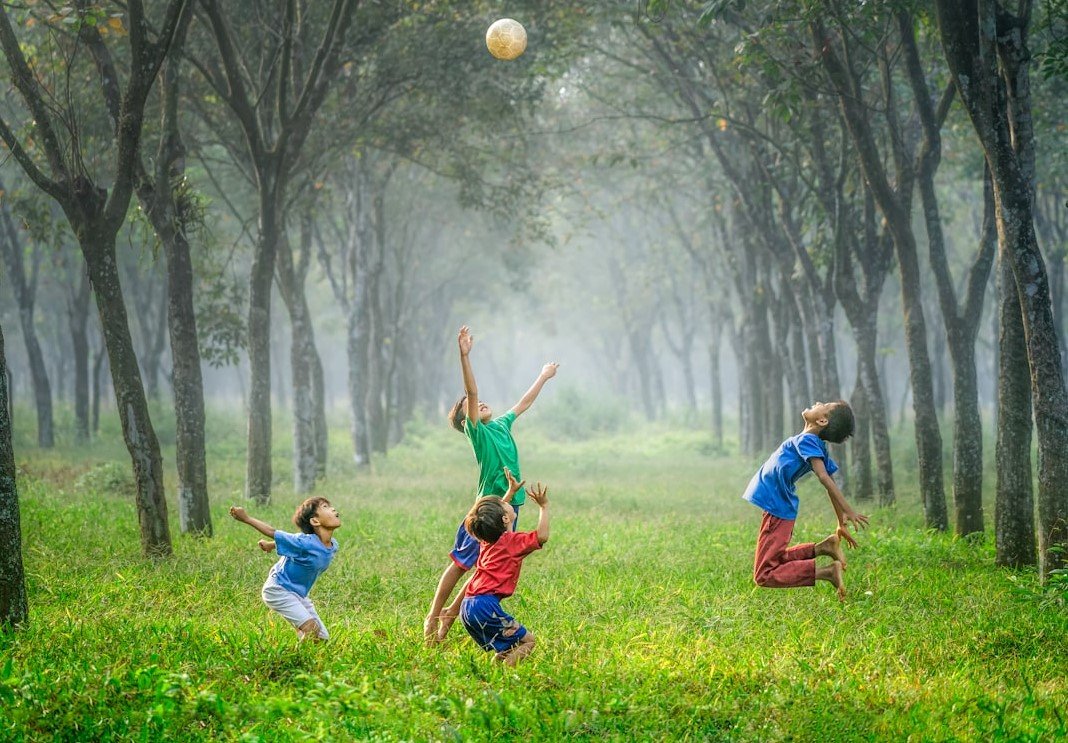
357, 353
25, 295
875, 403
319, 411
860, 444
14, 607
98, 368
716, 383
77, 313
258, 464
138, 433
1014, 508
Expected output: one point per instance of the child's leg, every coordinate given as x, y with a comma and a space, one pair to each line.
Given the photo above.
314, 627
448, 581
832, 547
517, 652
833, 575
777, 566
295, 609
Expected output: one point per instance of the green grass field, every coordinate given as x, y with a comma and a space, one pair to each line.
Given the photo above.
648, 623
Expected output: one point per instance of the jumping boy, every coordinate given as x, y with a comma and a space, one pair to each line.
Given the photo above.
303, 558
491, 520
495, 448
772, 489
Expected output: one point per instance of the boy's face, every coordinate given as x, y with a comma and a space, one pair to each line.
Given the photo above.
484, 412
326, 516
818, 413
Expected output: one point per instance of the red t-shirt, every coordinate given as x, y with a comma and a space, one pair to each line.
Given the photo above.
497, 569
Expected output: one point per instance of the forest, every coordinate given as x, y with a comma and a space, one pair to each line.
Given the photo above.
238, 241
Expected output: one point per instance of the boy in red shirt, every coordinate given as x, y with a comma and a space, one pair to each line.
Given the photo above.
501, 553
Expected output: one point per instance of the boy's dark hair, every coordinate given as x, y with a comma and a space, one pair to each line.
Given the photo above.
457, 414
840, 423
306, 512
485, 520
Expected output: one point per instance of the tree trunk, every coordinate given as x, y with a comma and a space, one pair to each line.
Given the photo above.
25, 296
868, 370
130, 401
1014, 508
715, 381
356, 348
14, 608
319, 411
98, 365
990, 64
860, 444
258, 463
77, 312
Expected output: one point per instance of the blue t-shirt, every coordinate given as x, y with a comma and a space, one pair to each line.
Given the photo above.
304, 557
772, 487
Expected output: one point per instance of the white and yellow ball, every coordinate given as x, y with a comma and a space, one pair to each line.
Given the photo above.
506, 39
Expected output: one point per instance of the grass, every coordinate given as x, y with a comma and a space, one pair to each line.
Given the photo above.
649, 625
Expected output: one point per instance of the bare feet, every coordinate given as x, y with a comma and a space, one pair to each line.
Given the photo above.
836, 568
832, 547
266, 545
430, 630
448, 616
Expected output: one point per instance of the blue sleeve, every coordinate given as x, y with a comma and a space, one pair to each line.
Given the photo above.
811, 446
288, 545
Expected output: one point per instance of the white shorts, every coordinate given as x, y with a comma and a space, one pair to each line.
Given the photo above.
295, 608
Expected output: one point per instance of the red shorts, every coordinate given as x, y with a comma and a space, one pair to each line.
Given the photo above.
779, 566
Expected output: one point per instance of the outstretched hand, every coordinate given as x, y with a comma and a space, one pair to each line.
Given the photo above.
851, 518
539, 494
465, 340
549, 370
513, 485
239, 513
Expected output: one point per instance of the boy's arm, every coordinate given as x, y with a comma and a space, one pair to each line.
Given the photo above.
465, 340
547, 372
540, 495
261, 526
845, 513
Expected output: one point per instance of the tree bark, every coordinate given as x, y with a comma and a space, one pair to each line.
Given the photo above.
14, 607
860, 444
989, 60
1014, 506
77, 313
25, 297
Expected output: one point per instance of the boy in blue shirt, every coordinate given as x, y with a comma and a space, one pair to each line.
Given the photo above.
303, 558
772, 489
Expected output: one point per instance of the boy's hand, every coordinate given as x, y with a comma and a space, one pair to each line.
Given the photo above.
549, 370
539, 494
465, 340
845, 536
238, 513
513, 485
266, 545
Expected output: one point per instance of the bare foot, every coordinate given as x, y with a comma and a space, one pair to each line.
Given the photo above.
266, 545
448, 616
832, 547
430, 630
836, 578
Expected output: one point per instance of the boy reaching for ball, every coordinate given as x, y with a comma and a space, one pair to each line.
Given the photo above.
302, 559
772, 489
495, 449
491, 520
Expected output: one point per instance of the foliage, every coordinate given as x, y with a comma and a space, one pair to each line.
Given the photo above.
107, 478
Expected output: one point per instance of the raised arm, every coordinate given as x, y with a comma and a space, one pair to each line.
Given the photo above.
547, 372
845, 513
465, 340
261, 526
540, 495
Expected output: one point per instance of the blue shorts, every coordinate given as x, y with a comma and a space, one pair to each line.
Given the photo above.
494, 629
465, 549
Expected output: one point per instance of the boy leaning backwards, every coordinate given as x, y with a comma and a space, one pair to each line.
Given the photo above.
495, 449
303, 558
491, 520
772, 489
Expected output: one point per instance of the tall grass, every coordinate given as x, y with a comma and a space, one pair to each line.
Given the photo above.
648, 623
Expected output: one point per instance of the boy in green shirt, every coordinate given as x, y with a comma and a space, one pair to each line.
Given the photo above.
495, 449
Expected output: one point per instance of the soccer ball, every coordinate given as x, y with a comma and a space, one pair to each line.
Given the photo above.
506, 39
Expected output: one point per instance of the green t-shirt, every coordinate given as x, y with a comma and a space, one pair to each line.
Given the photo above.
495, 449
